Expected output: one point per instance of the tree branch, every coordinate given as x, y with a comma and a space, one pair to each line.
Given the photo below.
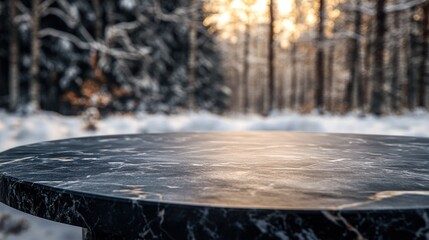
370, 11
120, 54
404, 6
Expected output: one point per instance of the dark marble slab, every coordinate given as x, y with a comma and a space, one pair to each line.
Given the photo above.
225, 185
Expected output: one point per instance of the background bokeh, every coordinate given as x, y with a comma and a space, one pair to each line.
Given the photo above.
71, 68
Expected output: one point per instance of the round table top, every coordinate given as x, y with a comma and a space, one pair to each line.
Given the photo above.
267, 170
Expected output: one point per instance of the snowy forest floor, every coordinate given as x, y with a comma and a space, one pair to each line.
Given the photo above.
18, 130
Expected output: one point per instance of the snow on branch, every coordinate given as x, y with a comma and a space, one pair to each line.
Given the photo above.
179, 15
121, 31
69, 21
25, 15
66, 36
404, 6
70, 15
22, 18
21, 7
117, 53
370, 10
138, 54
46, 4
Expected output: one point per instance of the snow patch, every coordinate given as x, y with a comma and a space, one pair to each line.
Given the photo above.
128, 4
18, 130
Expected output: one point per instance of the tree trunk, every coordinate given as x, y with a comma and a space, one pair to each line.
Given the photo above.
271, 58
303, 85
236, 79
281, 101
354, 80
98, 19
98, 33
377, 100
309, 81
110, 12
246, 63
294, 77
367, 64
302, 90
330, 77
110, 21
13, 58
424, 57
260, 99
319, 74
193, 49
35, 57
395, 64
411, 52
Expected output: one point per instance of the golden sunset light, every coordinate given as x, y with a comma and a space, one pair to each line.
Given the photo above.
231, 16
211, 116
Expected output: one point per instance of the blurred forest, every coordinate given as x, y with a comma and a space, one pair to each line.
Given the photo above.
222, 56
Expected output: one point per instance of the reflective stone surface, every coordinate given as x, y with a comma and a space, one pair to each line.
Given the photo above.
261, 183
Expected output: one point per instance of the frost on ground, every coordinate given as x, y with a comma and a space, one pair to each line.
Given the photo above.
17, 130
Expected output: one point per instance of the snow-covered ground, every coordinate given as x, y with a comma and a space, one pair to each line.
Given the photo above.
18, 130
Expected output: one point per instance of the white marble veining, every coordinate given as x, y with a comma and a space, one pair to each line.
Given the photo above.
267, 170
255, 185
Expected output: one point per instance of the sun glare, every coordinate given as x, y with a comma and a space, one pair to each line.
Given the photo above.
285, 6
231, 15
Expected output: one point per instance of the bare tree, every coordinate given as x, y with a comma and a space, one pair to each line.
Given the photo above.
193, 49
293, 58
98, 30
98, 21
110, 12
13, 57
410, 52
354, 78
246, 53
424, 57
35, 56
320, 71
271, 57
294, 76
395, 63
377, 100
330, 75
367, 60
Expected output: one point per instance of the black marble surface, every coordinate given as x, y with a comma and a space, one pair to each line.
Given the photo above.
253, 185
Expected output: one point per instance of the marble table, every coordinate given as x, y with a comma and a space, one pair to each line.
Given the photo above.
250, 185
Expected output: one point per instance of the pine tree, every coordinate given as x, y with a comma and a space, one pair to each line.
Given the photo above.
65, 75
